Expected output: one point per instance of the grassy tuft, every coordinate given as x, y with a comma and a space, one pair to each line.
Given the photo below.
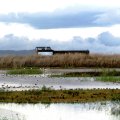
24, 71
103, 72
108, 79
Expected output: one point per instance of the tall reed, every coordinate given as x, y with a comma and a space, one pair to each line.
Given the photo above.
63, 61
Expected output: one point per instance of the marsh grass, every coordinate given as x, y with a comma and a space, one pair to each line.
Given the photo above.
108, 79
24, 71
62, 61
79, 74
109, 76
104, 72
60, 96
106, 75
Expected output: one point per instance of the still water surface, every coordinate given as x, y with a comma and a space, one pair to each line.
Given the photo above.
87, 111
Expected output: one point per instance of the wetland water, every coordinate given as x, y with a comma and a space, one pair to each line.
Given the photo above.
83, 111
23, 82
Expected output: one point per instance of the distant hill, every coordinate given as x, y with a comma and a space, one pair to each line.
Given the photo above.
16, 52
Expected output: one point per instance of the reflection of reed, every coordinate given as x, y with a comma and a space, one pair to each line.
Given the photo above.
10, 115
115, 110
97, 110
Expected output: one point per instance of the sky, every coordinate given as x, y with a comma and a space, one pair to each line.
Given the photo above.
61, 24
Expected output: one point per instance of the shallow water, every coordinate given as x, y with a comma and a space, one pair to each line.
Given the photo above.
87, 111
26, 82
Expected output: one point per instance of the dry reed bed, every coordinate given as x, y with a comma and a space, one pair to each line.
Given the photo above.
64, 61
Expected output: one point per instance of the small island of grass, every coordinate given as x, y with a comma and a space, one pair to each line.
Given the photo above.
24, 71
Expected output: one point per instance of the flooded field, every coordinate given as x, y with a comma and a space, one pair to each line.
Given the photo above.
85, 111
82, 111
25, 82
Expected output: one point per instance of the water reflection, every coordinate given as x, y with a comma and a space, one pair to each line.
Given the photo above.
87, 111
115, 110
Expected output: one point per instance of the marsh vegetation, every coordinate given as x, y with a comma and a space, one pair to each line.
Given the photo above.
108, 79
90, 74
46, 95
62, 61
25, 71
105, 75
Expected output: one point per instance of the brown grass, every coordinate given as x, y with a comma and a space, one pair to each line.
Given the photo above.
64, 61
47, 95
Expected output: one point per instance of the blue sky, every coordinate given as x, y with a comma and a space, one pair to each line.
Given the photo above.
67, 24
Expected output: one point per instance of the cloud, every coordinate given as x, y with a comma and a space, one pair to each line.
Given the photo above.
108, 39
66, 18
11, 42
104, 43
110, 17
51, 20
